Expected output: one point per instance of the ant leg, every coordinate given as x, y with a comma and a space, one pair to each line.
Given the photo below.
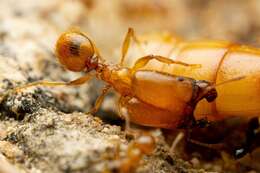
75, 82
218, 146
124, 114
97, 51
144, 60
130, 34
99, 100
176, 141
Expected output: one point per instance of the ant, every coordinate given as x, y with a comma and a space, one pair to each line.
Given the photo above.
148, 97
143, 144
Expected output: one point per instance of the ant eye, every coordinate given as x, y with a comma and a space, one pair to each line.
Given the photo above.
180, 79
74, 50
211, 95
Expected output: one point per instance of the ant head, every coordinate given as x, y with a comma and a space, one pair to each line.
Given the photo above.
75, 51
146, 143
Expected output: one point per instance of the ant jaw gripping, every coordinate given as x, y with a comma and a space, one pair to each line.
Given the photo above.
75, 52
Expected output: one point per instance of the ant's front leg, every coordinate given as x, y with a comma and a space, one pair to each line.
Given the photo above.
99, 100
75, 82
141, 62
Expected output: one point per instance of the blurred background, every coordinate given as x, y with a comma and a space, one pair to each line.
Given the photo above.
233, 20
107, 21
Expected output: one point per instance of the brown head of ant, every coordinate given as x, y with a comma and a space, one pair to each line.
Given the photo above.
201, 90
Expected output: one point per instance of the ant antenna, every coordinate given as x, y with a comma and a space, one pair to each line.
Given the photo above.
225, 82
228, 81
213, 86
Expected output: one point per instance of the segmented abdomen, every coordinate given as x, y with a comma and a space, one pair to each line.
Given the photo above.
221, 61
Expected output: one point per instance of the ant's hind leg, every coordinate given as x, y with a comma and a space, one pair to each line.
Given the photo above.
75, 82
130, 34
218, 146
176, 141
99, 100
144, 61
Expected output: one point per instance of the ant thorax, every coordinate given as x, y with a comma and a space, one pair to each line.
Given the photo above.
118, 77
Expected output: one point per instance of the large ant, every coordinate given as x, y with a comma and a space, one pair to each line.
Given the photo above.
148, 97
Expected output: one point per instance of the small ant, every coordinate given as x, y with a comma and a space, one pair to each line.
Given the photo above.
143, 144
